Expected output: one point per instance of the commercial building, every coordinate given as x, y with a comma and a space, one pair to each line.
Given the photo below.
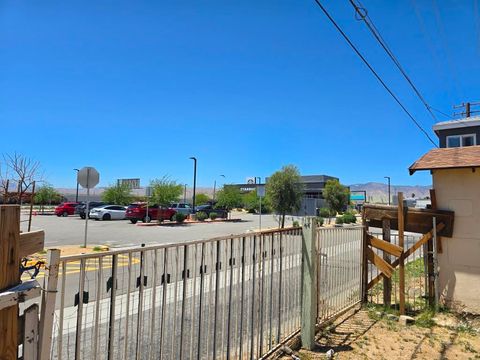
313, 186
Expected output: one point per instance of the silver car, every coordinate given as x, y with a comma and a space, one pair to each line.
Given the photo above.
183, 208
108, 212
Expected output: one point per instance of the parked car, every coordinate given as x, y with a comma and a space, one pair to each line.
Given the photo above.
208, 209
66, 208
183, 208
108, 212
80, 209
138, 212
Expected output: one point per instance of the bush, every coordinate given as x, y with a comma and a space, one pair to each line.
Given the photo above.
213, 215
325, 213
179, 217
349, 218
320, 221
339, 220
295, 223
201, 216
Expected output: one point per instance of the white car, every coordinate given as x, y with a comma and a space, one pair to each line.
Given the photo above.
108, 212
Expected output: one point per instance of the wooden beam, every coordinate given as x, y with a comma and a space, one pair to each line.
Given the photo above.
31, 242
386, 246
381, 264
27, 290
401, 259
416, 220
433, 199
9, 277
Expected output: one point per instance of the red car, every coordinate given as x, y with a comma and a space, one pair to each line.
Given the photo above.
66, 208
138, 211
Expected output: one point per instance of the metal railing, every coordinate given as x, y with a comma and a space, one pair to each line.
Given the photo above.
339, 252
233, 297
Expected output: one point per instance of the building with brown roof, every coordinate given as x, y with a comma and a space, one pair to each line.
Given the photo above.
456, 180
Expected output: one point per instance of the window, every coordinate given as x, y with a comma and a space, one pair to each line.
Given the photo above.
461, 140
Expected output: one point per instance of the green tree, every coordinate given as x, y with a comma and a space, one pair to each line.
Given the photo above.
336, 195
229, 197
251, 201
120, 194
45, 195
165, 191
285, 191
201, 199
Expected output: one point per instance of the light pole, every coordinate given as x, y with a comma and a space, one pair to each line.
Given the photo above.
76, 194
215, 186
388, 178
185, 193
260, 217
194, 182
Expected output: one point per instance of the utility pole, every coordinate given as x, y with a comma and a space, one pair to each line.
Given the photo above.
466, 109
76, 194
194, 182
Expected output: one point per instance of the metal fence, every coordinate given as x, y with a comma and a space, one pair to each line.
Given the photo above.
233, 297
416, 276
339, 252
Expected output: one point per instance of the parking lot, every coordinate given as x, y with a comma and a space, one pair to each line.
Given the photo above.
70, 230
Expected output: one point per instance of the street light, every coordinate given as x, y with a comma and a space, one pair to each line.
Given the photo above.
260, 217
388, 178
215, 185
194, 181
76, 195
185, 193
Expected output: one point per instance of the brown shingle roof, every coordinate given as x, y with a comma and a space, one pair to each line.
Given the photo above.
448, 158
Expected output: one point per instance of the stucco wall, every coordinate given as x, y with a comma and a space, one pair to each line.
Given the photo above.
459, 190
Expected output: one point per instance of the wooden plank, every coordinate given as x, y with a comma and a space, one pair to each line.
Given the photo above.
30, 334
387, 282
48, 304
401, 259
9, 276
25, 291
416, 220
390, 248
381, 264
433, 199
31, 242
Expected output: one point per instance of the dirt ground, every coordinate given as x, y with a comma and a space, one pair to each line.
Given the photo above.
371, 335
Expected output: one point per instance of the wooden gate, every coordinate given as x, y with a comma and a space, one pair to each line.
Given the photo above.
402, 219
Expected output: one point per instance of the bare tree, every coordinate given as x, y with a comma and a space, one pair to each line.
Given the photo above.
25, 170
4, 181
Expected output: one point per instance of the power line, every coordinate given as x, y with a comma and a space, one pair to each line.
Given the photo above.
374, 72
363, 15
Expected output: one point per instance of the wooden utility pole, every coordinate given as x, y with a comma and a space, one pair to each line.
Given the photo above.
467, 109
401, 241
9, 277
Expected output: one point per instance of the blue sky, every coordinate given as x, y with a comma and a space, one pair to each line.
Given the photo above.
135, 88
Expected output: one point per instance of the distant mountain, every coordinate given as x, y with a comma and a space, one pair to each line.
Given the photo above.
378, 192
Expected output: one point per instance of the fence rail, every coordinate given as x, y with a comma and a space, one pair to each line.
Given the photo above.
231, 297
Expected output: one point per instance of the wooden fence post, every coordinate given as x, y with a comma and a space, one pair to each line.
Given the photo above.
387, 282
9, 277
49, 295
309, 283
401, 241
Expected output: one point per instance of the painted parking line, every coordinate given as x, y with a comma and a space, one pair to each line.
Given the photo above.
74, 266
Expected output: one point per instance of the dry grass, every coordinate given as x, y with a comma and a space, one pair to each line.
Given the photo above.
363, 336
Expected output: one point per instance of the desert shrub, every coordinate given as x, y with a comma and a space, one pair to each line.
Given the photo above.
295, 223
325, 212
179, 217
349, 218
201, 216
213, 215
320, 220
339, 220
